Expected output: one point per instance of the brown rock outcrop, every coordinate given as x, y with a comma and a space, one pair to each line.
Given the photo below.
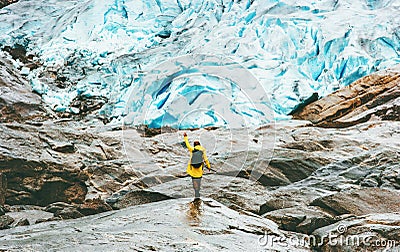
376, 95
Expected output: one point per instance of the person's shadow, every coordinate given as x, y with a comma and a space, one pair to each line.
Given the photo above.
194, 212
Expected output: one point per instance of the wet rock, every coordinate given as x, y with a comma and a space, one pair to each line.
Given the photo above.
369, 183
116, 196
290, 197
68, 213
22, 222
138, 197
149, 181
376, 95
57, 189
2, 211
307, 163
40, 190
39, 175
297, 165
3, 188
5, 221
360, 202
314, 220
300, 219
234, 192
93, 206
75, 193
56, 206
283, 168
48, 219
42, 220
32, 215
145, 131
163, 226
111, 176
287, 219
19, 197
19, 208
63, 147
63, 210
375, 232
272, 176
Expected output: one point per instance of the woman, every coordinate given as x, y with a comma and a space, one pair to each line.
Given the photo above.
195, 166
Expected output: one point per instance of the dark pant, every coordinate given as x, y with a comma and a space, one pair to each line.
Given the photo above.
196, 186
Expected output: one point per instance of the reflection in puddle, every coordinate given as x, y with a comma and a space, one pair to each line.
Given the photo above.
194, 212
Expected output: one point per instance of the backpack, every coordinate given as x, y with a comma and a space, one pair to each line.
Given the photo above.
197, 158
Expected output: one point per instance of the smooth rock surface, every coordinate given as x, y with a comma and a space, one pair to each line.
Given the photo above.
173, 225
300, 219
360, 202
31, 215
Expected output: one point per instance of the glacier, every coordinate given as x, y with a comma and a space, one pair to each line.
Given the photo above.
189, 64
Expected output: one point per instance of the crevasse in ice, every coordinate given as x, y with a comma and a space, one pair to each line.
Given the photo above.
200, 63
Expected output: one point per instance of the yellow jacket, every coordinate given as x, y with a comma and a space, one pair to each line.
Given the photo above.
196, 172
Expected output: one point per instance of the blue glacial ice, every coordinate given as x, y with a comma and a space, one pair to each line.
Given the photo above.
200, 63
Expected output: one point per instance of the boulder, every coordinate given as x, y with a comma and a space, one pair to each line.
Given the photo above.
68, 213
360, 202
22, 222
287, 197
5, 221
56, 206
64, 210
93, 206
54, 218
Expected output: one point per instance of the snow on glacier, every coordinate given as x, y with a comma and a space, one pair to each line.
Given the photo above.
115, 49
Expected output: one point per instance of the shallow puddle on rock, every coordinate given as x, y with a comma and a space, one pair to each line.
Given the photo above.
194, 212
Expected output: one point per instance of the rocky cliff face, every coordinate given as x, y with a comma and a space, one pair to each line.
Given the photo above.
17, 101
376, 96
279, 181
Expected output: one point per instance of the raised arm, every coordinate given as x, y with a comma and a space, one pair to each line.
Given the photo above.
190, 148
